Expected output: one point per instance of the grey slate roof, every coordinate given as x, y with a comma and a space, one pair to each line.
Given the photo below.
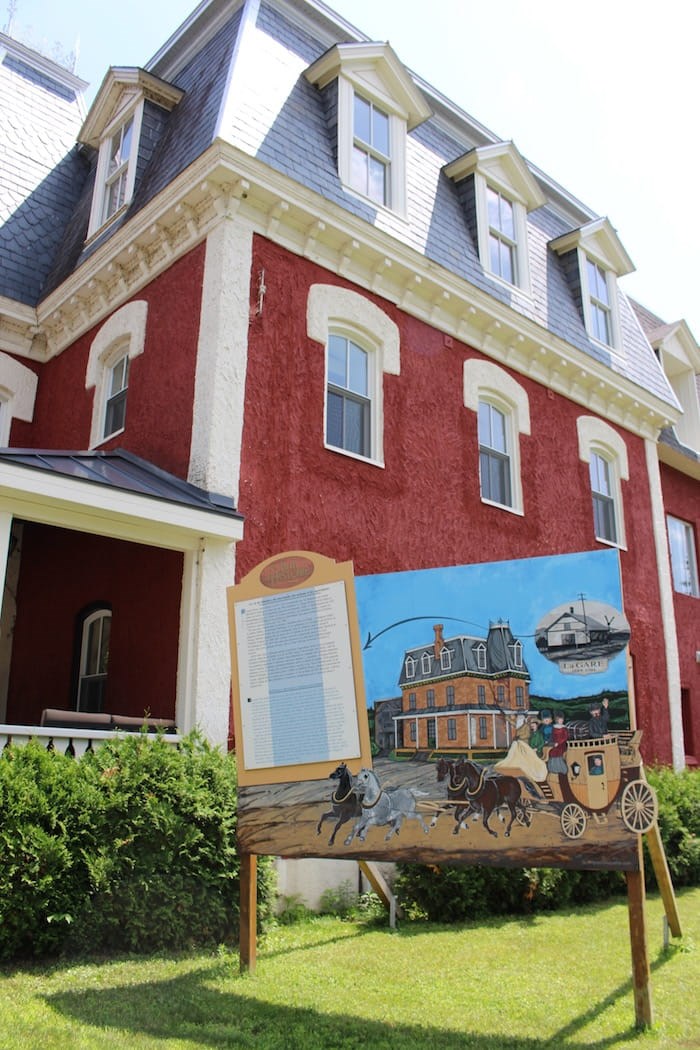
41, 167
119, 469
464, 659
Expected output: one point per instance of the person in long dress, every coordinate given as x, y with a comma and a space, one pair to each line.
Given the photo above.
522, 759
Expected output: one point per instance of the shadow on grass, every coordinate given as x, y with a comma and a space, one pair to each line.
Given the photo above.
189, 1008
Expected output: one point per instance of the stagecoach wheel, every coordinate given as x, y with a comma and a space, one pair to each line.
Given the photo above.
573, 821
638, 806
522, 816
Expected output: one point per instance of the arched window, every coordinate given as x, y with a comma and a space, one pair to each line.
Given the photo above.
606, 454
503, 415
95, 629
118, 341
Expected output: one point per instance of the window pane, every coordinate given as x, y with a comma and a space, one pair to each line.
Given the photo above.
354, 430
92, 654
337, 358
377, 181
363, 117
600, 475
334, 420
380, 131
684, 564
604, 518
357, 378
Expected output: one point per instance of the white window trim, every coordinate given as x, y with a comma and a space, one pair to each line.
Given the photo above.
522, 261
339, 310
410, 667
694, 591
98, 221
484, 381
596, 436
614, 312
347, 88
18, 387
102, 613
123, 333
425, 663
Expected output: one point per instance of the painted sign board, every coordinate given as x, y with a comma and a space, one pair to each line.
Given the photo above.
497, 698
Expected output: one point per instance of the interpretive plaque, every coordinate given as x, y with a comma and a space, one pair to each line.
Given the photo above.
297, 685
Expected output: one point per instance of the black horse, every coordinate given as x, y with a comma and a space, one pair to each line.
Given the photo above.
490, 792
346, 803
463, 806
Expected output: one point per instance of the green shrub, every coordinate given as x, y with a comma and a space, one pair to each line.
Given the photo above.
679, 823
132, 848
449, 894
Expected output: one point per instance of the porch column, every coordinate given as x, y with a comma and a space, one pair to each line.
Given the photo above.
8, 610
204, 663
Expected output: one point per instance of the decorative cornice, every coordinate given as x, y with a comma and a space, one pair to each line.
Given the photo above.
117, 82
225, 183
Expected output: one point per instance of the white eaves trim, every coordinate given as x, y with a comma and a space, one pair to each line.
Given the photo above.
53, 499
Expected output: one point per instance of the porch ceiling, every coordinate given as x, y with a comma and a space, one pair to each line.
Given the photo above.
114, 494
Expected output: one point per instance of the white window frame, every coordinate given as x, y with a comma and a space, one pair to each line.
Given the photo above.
331, 309
345, 392
425, 663
599, 438
519, 252
445, 659
480, 655
124, 334
410, 667
683, 556
101, 614
591, 301
99, 217
487, 382
395, 161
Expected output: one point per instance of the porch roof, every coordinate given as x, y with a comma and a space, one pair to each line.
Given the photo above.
113, 493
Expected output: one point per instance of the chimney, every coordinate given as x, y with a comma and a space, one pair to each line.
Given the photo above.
439, 644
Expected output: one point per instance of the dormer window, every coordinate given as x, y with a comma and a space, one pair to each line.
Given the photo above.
679, 356
373, 103
480, 654
119, 167
497, 191
128, 100
410, 667
425, 663
593, 259
445, 659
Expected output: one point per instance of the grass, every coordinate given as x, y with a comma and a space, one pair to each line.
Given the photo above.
559, 981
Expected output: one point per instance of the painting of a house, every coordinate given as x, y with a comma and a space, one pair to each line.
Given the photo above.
454, 691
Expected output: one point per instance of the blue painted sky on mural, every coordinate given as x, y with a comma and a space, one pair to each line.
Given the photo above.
467, 598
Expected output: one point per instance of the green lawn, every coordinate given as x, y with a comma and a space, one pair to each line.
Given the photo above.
555, 981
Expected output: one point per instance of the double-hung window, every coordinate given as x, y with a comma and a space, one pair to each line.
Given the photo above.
494, 455
115, 406
117, 174
371, 151
684, 564
348, 401
600, 312
605, 452
602, 489
94, 659
502, 236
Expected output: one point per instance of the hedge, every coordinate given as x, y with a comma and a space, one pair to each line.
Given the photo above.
132, 848
451, 894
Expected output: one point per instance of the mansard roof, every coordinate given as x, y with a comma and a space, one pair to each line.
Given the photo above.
247, 102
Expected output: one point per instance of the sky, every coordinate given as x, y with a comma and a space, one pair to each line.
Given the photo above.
602, 96
397, 611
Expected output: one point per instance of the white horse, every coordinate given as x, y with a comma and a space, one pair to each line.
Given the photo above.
384, 806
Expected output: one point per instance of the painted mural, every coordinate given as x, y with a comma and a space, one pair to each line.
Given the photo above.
498, 708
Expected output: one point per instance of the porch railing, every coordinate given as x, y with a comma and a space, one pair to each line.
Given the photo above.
69, 741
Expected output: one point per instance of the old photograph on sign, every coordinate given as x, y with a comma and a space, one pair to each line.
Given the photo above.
498, 710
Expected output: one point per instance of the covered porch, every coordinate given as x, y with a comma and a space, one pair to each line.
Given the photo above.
114, 608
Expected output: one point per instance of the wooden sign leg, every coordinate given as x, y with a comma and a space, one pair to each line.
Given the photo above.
638, 940
248, 941
663, 878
